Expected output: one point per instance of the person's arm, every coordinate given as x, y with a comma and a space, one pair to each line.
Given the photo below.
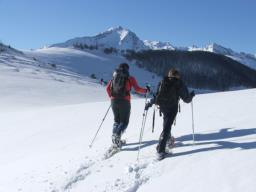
108, 88
184, 93
136, 87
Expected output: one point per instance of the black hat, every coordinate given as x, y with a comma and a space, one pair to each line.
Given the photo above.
173, 73
124, 66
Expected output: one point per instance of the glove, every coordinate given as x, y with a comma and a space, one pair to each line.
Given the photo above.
192, 94
148, 89
148, 105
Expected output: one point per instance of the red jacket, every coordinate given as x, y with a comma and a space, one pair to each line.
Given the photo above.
129, 84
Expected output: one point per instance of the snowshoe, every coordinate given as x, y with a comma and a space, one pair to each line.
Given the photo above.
112, 151
161, 156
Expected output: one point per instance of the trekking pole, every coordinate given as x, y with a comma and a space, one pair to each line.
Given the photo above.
99, 127
144, 117
153, 122
193, 126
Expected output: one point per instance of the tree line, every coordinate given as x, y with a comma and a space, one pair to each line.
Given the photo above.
199, 69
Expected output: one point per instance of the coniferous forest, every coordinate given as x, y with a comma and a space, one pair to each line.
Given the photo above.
199, 69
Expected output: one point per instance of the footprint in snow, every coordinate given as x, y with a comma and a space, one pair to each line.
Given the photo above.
80, 175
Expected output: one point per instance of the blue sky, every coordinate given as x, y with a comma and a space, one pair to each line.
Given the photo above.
28, 24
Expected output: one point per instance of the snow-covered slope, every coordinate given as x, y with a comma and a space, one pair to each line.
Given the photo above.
45, 148
27, 81
49, 116
8, 49
89, 62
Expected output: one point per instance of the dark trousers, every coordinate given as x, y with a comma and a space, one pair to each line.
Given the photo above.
121, 109
169, 116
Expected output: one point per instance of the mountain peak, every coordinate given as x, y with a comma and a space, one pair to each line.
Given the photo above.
118, 28
114, 37
120, 31
216, 48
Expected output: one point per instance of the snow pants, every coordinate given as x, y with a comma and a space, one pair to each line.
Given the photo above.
121, 109
169, 114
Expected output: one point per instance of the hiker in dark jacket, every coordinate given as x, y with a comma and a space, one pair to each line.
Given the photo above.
119, 92
169, 91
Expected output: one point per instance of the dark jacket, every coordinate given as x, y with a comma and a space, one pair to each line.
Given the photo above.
182, 92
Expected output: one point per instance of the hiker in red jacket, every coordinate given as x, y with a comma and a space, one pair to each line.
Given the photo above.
118, 90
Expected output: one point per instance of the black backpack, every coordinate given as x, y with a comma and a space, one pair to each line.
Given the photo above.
167, 93
118, 83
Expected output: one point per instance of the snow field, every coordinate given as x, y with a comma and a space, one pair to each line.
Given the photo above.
46, 149
48, 118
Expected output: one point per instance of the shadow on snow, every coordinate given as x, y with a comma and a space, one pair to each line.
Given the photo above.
216, 138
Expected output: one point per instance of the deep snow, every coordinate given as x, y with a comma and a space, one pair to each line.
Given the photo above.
46, 149
49, 117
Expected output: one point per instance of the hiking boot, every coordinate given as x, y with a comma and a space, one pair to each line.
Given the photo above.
116, 140
170, 142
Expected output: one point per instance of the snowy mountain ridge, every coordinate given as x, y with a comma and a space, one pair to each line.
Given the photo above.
124, 39
158, 45
244, 58
118, 38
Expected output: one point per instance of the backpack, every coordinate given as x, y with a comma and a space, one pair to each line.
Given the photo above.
167, 93
118, 83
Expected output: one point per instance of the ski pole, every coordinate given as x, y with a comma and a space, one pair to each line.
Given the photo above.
193, 126
99, 127
145, 112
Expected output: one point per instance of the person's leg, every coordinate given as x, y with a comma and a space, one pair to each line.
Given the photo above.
116, 112
124, 116
169, 116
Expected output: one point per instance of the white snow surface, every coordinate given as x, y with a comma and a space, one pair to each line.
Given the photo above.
27, 82
85, 63
49, 117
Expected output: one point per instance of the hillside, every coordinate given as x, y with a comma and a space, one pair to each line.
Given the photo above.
50, 113
87, 62
46, 149
30, 82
